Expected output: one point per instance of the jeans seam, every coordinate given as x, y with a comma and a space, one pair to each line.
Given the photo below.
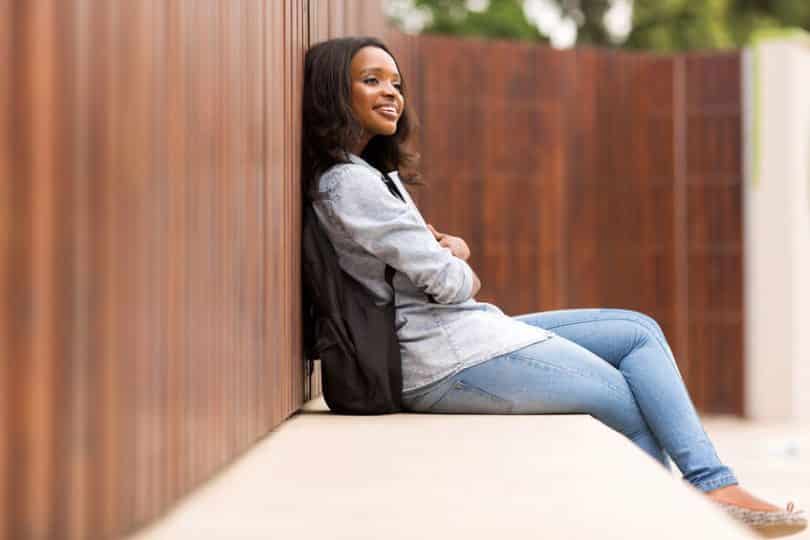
615, 390
461, 386
629, 319
475, 387
641, 320
441, 397
659, 336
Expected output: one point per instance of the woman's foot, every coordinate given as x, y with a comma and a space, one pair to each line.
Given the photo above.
768, 520
740, 497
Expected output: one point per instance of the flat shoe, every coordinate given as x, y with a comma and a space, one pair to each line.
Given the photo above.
769, 524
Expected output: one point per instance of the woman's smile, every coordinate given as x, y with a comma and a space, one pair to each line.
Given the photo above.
389, 111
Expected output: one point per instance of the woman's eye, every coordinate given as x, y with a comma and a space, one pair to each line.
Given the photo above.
373, 80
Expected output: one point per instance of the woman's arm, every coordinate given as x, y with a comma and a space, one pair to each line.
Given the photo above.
359, 204
458, 247
476, 284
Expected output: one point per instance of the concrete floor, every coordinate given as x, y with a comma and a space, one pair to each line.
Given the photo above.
771, 459
477, 477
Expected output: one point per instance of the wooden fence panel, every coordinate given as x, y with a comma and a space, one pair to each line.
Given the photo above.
149, 250
6, 264
33, 370
713, 171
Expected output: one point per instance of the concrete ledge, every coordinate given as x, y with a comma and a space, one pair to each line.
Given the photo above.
406, 476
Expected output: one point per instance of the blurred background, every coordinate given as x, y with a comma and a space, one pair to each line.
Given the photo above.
630, 154
651, 25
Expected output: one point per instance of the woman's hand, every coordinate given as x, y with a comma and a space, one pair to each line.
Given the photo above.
458, 247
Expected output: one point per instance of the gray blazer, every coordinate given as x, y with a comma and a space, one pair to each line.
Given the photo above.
369, 227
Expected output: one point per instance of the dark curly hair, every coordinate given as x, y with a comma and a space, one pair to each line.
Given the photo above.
329, 126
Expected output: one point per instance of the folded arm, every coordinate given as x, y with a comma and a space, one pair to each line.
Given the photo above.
361, 205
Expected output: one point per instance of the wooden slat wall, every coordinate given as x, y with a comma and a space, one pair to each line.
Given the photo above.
713, 178
593, 178
149, 260
5, 266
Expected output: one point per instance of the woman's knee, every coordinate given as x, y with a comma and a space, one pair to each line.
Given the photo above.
653, 334
645, 320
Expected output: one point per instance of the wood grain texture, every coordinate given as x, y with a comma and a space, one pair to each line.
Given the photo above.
149, 258
713, 177
7, 265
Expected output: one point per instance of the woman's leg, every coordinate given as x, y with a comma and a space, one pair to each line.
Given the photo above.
612, 364
635, 345
553, 376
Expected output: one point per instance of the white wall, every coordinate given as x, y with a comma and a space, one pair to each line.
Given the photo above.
776, 222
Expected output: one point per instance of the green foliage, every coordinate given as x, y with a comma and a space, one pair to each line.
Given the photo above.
670, 25
501, 19
662, 25
748, 16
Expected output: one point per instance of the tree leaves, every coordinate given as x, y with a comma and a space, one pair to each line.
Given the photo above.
662, 25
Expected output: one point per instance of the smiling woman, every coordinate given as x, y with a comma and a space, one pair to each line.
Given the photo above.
459, 355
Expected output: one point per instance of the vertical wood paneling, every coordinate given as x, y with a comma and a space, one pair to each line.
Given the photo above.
685, 352
582, 203
274, 84
713, 185
137, 176
254, 245
199, 149
71, 249
149, 256
113, 502
158, 271
34, 379
6, 266
176, 287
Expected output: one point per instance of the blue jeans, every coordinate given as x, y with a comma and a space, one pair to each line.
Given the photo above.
613, 364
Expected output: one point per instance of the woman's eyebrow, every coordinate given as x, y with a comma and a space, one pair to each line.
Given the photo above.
380, 70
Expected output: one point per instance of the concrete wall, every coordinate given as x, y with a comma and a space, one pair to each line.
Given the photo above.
777, 227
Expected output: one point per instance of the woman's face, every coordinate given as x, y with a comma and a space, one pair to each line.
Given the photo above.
377, 100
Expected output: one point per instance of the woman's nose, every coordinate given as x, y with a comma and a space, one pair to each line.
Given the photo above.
389, 89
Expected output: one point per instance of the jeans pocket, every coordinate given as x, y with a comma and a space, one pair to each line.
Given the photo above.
465, 398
